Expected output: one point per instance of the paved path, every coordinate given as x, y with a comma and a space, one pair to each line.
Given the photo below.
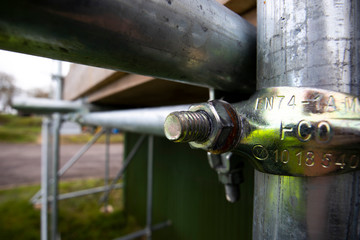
20, 163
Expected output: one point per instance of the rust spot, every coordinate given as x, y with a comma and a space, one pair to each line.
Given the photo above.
233, 136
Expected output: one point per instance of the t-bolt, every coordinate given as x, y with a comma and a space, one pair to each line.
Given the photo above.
187, 126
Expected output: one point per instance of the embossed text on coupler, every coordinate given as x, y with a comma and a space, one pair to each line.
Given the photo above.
319, 102
307, 158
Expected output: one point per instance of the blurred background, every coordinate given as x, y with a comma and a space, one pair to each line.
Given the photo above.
20, 158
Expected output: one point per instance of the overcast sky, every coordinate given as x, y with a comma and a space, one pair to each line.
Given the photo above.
29, 71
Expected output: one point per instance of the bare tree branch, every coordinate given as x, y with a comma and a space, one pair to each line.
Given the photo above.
7, 90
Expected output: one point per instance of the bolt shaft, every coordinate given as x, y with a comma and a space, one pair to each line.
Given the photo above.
187, 126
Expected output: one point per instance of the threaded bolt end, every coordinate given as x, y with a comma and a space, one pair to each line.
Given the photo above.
186, 126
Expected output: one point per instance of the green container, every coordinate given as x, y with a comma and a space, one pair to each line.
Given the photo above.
187, 192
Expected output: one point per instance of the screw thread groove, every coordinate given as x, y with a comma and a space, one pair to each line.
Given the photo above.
189, 126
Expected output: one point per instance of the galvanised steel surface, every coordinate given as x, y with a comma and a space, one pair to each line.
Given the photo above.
142, 120
212, 126
300, 131
45, 105
149, 190
281, 130
67, 165
81, 193
290, 127
308, 44
126, 163
80, 153
56, 121
199, 42
107, 163
45, 159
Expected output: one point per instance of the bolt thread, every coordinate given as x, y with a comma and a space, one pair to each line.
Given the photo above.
190, 126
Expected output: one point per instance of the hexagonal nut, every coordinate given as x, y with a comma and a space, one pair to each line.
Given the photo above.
225, 127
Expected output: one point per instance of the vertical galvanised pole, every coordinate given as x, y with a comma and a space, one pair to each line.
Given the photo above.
45, 157
56, 155
107, 165
305, 43
149, 187
55, 182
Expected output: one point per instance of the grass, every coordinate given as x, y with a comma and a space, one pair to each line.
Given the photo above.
17, 129
79, 218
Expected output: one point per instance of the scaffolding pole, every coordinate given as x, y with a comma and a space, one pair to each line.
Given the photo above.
80, 153
208, 45
142, 120
45, 157
56, 118
149, 228
71, 162
45, 105
149, 196
81, 193
123, 168
145, 120
107, 165
308, 44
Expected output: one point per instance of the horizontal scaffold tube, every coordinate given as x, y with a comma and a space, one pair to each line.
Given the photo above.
145, 120
198, 42
142, 120
45, 105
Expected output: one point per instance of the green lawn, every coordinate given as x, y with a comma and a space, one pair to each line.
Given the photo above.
16, 129
79, 218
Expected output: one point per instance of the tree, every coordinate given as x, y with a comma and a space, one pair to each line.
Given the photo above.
7, 90
39, 93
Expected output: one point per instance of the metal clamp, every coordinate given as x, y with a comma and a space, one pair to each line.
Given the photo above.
289, 131
230, 173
